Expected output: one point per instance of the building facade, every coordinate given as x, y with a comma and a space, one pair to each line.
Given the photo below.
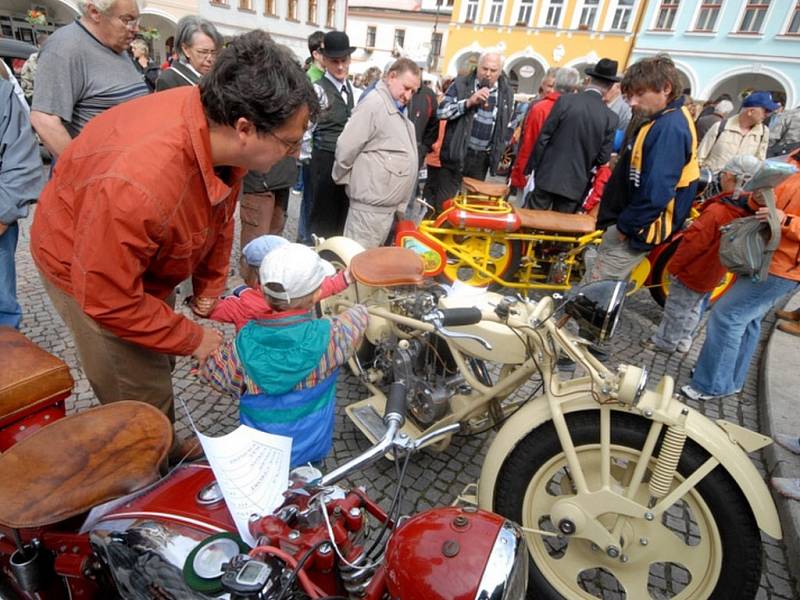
535, 35
289, 21
731, 46
382, 30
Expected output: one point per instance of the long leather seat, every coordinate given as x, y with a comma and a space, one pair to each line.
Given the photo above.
28, 375
81, 461
556, 222
387, 266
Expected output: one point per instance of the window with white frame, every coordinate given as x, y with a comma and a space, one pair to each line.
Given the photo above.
553, 14
754, 13
372, 31
399, 38
330, 16
588, 14
665, 18
525, 12
622, 15
472, 11
794, 21
707, 15
496, 12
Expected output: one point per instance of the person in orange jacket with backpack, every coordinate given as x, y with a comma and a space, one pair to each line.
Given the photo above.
735, 321
695, 269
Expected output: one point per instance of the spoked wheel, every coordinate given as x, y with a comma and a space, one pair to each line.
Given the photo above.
707, 545
498, 256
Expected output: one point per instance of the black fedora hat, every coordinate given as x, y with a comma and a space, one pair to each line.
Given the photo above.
337, 45
604, 69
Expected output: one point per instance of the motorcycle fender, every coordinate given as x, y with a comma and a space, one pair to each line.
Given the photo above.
346, 249
721, 443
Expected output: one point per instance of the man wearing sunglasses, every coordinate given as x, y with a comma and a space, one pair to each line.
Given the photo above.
84, 70
138, 204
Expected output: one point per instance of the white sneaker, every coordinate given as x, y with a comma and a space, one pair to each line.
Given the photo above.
684, 346
790, 442
694, 394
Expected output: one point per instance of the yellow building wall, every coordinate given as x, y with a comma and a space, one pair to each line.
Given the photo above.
549, 47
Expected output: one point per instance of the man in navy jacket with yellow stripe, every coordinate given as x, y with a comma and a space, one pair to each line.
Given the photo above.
651, 190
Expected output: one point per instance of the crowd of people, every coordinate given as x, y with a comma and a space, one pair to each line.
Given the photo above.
135, 204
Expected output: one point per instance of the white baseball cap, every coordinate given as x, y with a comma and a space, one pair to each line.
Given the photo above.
296, 268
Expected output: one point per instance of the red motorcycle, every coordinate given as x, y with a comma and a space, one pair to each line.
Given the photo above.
85, 513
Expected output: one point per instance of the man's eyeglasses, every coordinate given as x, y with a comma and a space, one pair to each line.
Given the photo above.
291, 147
131, 23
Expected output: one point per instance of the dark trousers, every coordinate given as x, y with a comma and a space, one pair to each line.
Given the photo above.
330, 205
476, 165
442, 184
544, 200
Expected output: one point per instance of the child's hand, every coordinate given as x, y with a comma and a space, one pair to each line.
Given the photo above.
203, 305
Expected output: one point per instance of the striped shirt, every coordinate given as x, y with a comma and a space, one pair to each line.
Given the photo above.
480, 138
78, 78
225, 373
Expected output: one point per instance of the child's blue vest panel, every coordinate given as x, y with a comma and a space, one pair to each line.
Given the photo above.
306, 416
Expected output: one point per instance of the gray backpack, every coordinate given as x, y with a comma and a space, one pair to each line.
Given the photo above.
747, 244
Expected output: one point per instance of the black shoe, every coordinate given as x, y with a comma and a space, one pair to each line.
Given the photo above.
598, 352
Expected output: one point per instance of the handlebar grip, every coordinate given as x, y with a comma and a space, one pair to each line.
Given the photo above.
396, 403
454, 317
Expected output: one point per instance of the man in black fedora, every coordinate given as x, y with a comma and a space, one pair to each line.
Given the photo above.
337, 98
576, 137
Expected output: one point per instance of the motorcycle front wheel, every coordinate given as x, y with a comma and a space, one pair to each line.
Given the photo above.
707, 545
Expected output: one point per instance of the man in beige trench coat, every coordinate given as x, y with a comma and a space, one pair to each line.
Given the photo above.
376, 156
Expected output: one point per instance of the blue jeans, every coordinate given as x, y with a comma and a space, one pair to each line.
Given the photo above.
10, 311
303, 233
732, 334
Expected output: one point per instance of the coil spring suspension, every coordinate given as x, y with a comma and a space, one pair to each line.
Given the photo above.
668, 458
356, 580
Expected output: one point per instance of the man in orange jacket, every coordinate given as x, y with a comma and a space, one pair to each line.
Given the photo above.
137, 204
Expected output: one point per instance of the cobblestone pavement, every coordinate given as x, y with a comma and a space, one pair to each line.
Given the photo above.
433, 479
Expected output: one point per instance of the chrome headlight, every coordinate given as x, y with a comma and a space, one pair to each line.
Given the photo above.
596, 307
506, 574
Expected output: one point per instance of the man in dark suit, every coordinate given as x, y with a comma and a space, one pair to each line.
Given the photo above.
576, 137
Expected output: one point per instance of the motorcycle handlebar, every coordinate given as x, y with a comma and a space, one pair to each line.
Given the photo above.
396, 404
456, 317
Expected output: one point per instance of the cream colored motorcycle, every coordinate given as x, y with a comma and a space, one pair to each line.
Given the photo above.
618, 487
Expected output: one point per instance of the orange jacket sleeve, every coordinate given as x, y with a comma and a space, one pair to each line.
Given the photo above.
530, 133
116, 236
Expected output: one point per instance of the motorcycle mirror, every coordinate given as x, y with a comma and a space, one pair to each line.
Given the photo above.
596, 307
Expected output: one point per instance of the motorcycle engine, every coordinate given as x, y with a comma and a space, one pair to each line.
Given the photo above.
424, 362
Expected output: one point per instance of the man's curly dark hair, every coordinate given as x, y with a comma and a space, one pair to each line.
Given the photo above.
259, 80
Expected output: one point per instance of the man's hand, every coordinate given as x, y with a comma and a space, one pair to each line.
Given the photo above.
203, 305
212, 339
478, 98
762, 214
3, 228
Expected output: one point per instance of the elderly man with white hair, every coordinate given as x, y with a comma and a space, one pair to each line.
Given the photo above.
477, 107
84, 69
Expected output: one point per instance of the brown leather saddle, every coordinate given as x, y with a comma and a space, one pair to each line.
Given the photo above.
29, 377
549, 220
476, 186
81, 461
387, 267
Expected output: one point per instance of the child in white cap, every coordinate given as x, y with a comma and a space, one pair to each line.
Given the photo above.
283, 366
247, 301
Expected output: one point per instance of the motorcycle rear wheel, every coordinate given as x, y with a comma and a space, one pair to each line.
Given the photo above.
706, 546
